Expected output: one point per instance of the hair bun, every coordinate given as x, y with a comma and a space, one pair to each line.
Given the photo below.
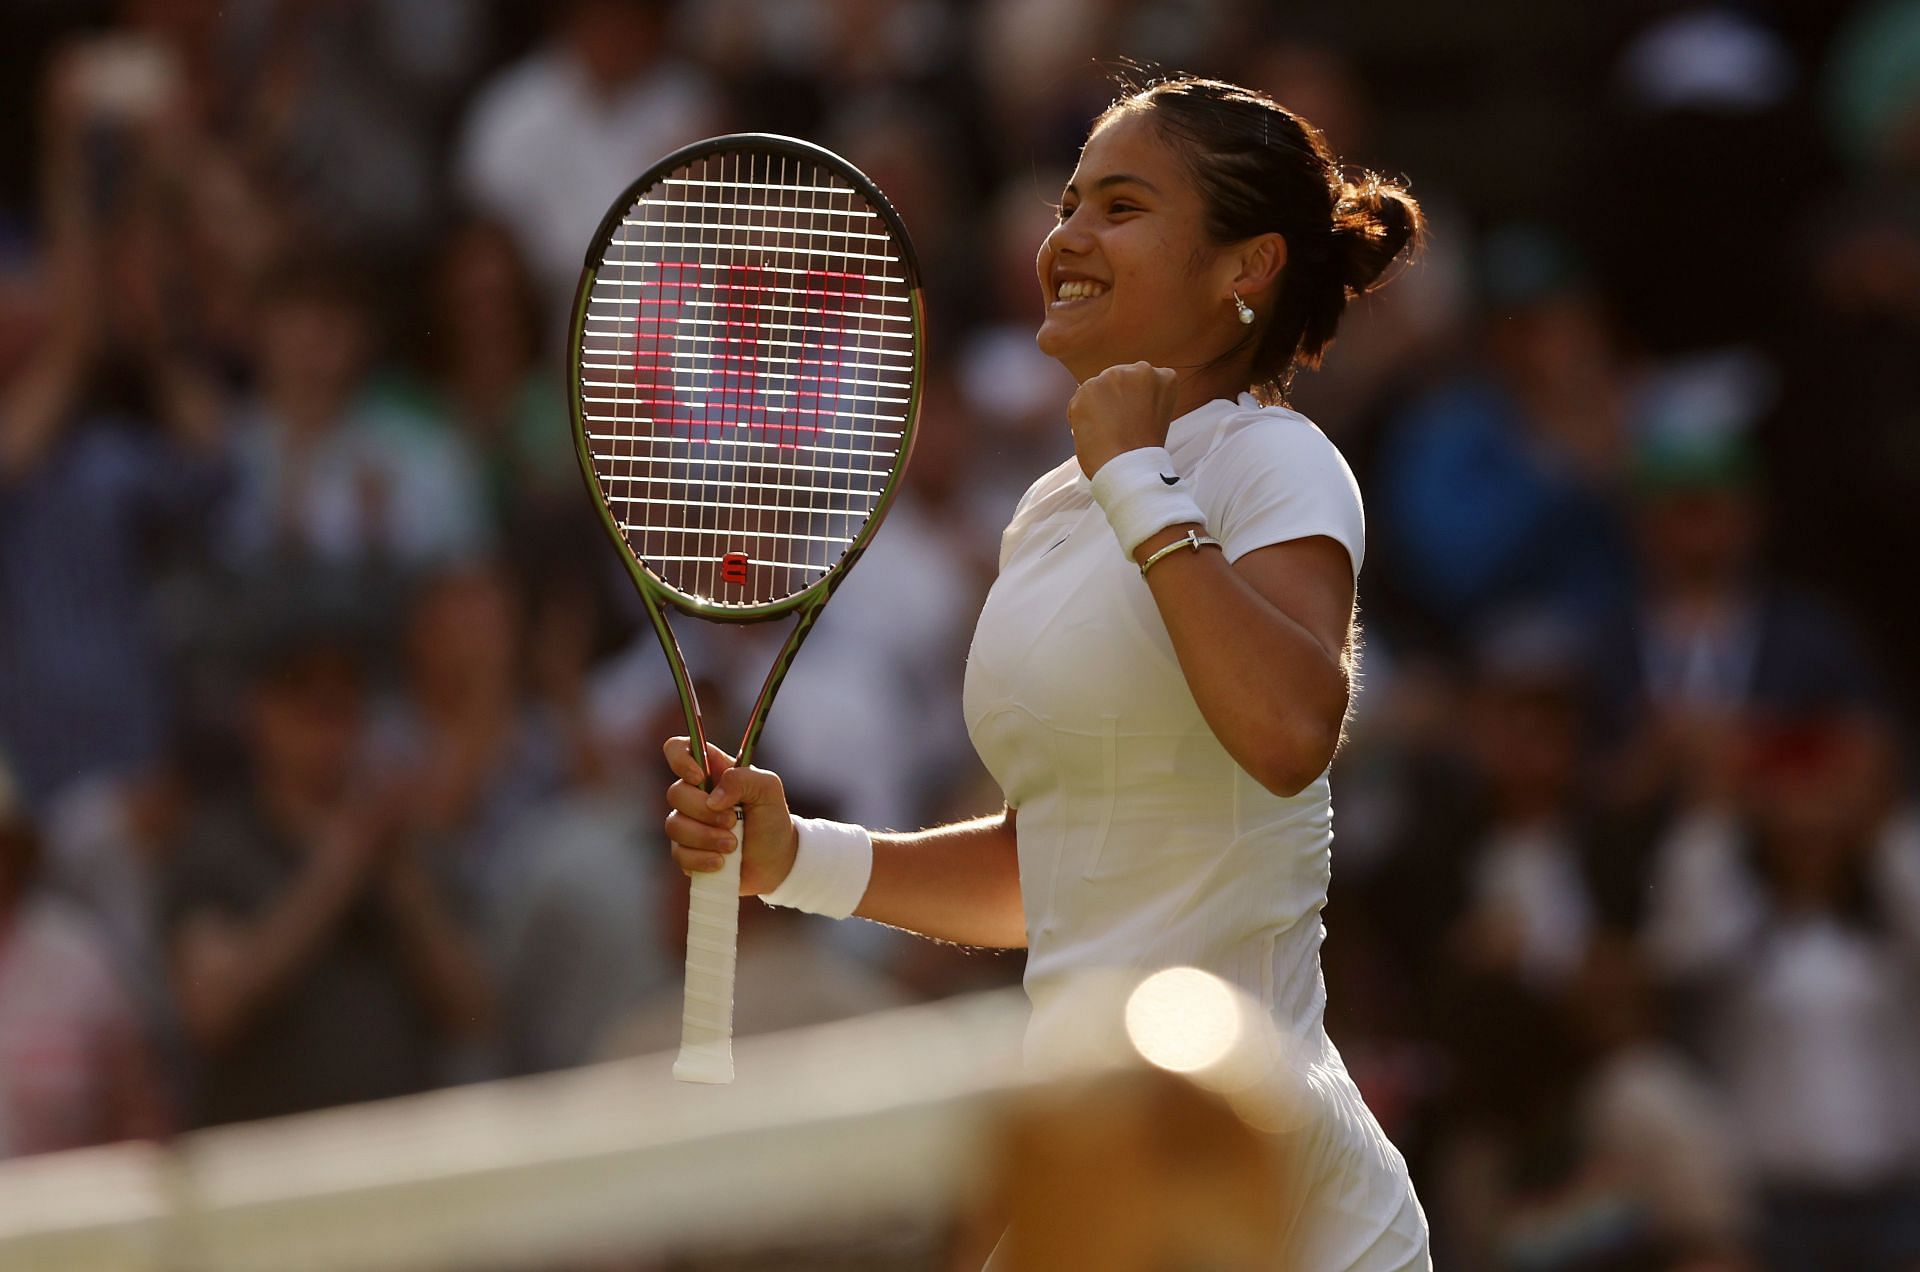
1374, 221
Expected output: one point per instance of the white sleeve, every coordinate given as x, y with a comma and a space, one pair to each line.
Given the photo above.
1278, 480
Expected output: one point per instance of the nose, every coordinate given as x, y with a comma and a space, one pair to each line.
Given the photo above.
1069, 235
1064, 239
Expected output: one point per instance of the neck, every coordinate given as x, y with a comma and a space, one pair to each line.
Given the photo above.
1196, 389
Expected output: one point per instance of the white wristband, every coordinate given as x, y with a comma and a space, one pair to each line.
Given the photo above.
830, 870
1142, 495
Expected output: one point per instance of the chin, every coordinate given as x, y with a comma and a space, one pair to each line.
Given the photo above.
1078, 363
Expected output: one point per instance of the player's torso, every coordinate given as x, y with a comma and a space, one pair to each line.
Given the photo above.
1141, 842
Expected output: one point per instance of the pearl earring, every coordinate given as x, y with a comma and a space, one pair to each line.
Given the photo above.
1243, 309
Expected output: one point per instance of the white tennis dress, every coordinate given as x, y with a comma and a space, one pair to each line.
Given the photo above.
1142, 844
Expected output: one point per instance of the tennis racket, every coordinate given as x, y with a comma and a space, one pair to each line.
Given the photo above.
746, 355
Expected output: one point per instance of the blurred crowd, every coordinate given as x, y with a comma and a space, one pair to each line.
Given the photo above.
330, 723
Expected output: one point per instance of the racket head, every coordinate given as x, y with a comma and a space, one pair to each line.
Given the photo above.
746, 361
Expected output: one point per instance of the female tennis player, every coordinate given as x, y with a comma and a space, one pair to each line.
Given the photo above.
1162, 670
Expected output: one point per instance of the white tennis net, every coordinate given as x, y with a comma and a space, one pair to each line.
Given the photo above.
839, 1129
863, 1130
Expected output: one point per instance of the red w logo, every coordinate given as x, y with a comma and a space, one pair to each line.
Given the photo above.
757, 347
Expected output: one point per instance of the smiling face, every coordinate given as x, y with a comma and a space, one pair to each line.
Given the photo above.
1129, 273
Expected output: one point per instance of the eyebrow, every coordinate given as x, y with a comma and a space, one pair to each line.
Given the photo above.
1118, 178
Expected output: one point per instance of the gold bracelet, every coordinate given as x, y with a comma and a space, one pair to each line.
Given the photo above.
1191, 539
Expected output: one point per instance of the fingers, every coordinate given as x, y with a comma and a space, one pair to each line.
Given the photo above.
691, 801
700, 836
679, 753
697, 861
701, 824
748, 788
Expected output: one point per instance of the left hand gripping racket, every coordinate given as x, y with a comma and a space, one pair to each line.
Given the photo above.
746, 355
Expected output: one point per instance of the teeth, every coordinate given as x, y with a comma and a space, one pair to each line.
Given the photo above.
1079, 289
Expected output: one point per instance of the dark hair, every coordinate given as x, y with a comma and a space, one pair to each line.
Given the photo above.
1262, 169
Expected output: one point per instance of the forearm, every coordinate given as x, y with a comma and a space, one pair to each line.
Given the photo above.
959, 883
1271, 692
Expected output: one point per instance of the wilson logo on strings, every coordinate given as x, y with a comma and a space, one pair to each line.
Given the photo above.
728, 346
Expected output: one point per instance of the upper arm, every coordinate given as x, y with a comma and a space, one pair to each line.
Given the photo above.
1310, 581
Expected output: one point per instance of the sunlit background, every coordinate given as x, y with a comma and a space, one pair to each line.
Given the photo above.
306, 621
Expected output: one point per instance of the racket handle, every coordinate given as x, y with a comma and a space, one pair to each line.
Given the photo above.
713, 944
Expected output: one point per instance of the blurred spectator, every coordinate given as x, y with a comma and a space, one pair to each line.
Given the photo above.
1504, 859
75, 1065
577, 946
1706, 112
108, 842
1528, 909
496, 770
1712, 633
110, 433
346, 106
809, 68
1042, 77
316, 956
143, 127
487, 372
1651, 1123
1495, 488
470, 751
329, 476
1628, 1164
551, 140
1840, 452
1791, 914
1505, 880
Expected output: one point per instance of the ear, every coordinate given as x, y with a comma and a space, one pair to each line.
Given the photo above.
1258, 262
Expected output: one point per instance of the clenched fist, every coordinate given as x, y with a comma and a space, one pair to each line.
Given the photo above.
1121, 409
700, 825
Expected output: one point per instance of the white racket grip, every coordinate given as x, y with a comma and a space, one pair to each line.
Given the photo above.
713, 945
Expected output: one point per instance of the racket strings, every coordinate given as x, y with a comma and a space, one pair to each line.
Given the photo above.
746, 373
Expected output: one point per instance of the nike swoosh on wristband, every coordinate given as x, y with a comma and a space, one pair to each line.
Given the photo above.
1171, 481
